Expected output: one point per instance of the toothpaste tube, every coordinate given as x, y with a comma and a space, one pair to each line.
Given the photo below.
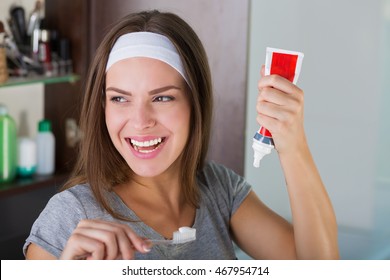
288, 65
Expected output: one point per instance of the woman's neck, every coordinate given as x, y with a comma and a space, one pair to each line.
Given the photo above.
159, 202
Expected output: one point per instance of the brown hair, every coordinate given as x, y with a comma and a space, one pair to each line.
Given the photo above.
99, 164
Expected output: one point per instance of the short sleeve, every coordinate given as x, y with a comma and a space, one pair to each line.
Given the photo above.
240, 192
227, 187
56, 222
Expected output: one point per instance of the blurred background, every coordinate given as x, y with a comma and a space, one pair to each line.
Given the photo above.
345, 77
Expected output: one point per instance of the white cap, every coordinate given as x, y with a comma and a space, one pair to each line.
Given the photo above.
260, 150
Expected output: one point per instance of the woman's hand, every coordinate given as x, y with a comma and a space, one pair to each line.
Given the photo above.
280, 110
103, 240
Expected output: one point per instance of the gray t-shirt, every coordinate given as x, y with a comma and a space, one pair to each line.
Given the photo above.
221, 190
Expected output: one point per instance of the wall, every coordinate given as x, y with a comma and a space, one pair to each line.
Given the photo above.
382, 174
343, 77
25, 103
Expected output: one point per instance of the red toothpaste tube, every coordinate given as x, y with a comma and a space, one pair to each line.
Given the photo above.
288, 65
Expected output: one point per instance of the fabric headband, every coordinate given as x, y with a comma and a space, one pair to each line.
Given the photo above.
146, 44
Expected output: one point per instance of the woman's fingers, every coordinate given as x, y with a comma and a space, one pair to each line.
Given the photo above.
128, 241
139, 243
277, 100
280, 83
280, 106
80, 246
262, 70
103, 240
276, 90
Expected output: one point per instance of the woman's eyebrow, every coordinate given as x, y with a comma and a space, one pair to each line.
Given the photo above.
118, 90
152, 92
162, 89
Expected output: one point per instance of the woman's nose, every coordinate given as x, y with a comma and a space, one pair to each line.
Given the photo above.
143, 117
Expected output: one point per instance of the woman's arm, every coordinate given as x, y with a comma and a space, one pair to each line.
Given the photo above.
313, 234
262, 233
315, 227
34, 252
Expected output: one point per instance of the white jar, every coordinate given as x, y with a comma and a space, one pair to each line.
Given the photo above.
45, 149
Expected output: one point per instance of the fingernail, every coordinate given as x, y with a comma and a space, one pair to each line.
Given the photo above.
146, 248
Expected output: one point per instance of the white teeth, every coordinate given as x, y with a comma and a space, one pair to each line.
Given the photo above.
153, 142
144, 151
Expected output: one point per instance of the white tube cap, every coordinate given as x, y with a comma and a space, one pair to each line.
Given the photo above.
260, 150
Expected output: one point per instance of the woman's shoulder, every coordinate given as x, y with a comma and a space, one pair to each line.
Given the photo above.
217, 176
58, 219
79, 197
217, 171
222, 186
80, 190
77, 192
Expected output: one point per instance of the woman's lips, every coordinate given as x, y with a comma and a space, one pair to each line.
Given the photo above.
146, 147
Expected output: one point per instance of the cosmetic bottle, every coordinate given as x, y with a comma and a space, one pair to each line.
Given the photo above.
54, 46
8, 148
34, 20
34, 29
45, 149
45, 52
27, 157
65, 63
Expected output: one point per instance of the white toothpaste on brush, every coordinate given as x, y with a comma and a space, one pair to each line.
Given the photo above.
183, 235
288, 65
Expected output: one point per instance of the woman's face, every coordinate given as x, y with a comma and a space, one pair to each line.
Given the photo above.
147, 114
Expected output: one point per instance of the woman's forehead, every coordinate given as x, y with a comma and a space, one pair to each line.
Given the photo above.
141, 69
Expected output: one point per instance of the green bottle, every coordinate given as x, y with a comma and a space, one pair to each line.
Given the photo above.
8, 146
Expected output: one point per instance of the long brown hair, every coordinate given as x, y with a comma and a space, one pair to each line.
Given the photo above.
99, 163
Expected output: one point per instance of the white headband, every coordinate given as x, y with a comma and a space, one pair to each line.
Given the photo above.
146, 44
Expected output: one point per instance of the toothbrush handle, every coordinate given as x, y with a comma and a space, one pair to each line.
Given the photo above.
160, 241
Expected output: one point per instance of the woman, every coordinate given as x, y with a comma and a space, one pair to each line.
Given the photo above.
142, 174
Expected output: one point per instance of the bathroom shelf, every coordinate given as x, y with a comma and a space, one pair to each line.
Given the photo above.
20, 81
22, 185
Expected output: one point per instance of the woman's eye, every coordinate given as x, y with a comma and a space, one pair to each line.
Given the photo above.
118, 99
163, 98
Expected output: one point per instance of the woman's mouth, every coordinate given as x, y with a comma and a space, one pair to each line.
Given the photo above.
148, 146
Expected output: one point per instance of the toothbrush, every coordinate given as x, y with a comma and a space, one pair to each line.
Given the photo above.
183, 235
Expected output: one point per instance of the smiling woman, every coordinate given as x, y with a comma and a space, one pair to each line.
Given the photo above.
142, 171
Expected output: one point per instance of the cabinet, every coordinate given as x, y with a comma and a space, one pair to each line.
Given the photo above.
20, 205
22, 201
